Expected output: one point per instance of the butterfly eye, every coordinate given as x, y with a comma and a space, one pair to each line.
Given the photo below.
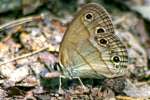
116, 59
100, 30
89, 17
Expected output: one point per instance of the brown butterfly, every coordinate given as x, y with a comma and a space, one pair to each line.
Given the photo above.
90, 48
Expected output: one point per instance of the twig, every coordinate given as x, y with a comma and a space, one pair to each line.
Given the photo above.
19, 22
25, 55
127, 98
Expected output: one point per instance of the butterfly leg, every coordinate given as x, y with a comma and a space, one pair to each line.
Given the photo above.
60, 83
81, 83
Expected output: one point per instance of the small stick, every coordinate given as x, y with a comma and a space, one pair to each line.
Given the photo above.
19, 22
25, 55
127, 98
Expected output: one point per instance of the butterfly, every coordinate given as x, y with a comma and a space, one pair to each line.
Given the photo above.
90, 48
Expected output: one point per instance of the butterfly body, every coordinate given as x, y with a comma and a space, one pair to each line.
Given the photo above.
90, 48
